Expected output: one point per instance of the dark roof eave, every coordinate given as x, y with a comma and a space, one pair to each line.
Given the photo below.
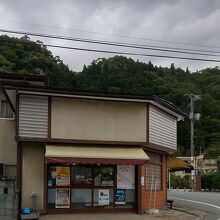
169, 105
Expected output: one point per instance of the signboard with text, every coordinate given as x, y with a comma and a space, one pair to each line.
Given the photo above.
103, 197
63, 176
120, 196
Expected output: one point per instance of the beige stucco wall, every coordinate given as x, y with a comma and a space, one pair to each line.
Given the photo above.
32, 174
8, 145
98, 120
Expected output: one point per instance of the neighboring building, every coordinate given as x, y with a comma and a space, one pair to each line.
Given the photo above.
206, 163
188, 161
8, 145
203, 163
89, 151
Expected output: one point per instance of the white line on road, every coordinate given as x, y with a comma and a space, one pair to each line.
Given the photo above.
202, 203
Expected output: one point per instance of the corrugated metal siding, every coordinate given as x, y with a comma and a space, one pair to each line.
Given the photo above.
33, 116
162, 128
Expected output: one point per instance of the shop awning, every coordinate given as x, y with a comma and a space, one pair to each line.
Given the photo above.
92, 155
176, 164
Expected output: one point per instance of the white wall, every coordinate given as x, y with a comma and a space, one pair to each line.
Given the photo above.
8, 145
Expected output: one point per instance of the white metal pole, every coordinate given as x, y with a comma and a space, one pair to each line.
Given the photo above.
151, 189
155, 192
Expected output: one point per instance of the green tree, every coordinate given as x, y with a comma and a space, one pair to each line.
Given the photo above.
121, 74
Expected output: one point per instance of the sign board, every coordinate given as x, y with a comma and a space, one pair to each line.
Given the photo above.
192, 174
125, 177
63, 176
103, 197
62, 198
142, 180
120, 196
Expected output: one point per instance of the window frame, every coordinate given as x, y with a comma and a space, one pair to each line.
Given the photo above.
4, 118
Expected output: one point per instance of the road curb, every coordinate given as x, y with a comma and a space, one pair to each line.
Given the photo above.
198, 214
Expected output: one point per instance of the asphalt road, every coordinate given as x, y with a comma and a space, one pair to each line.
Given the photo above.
208, 202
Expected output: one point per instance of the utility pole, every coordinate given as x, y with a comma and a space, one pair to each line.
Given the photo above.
193, 117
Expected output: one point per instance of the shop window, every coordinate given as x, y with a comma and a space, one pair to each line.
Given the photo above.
5, 110
87, 186
104, 176
81, 198
81, 175
51, 176
130, 195
51, 197
153, 172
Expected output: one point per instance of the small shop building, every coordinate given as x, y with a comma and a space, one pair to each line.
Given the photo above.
92, 152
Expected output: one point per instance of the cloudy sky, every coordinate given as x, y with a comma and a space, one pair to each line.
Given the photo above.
189, 24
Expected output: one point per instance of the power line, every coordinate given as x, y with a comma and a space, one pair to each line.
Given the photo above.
109, 43
125, 53
123, 36
133, 54
117, 35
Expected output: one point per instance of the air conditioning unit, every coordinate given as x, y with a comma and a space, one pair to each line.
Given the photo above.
2, 169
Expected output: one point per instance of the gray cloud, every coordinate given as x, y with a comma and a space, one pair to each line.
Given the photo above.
189, 21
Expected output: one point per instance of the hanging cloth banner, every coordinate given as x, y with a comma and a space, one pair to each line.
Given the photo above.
125, 177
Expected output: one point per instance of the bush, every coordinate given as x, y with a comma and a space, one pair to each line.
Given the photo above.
210, 181
180, 182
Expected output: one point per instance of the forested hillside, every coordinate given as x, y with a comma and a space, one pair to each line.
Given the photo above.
121, 74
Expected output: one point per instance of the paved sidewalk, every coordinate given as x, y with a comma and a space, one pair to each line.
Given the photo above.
164, 214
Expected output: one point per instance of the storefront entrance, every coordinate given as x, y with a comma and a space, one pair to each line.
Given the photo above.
91, 187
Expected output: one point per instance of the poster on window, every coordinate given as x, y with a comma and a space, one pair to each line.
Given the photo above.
62, 198
62, 176
120, 196
125, 177
103, 197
